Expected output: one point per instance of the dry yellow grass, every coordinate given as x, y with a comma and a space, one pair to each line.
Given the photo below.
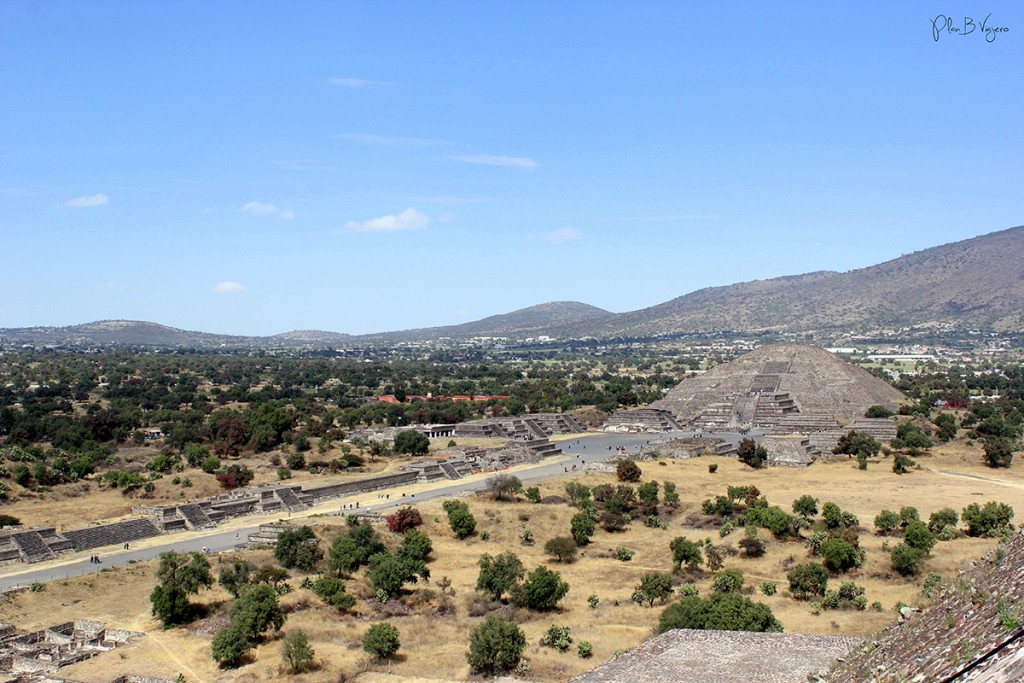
433, 646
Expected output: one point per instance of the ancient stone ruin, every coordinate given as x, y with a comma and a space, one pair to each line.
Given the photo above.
36, 655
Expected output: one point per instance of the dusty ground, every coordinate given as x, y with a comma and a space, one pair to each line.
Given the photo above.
434, 645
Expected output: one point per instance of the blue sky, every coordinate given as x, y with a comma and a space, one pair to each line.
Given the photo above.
252, 168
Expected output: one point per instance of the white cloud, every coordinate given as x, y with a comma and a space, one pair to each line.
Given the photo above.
562, 235
349, 82
259, 208
506, 162
228, 287
374, 139
88, 200
410, 219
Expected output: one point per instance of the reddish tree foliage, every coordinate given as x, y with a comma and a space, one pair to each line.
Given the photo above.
403, 520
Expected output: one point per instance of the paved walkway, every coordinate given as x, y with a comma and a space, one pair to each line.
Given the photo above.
235, 532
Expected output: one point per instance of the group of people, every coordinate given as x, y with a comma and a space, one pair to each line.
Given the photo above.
95, 559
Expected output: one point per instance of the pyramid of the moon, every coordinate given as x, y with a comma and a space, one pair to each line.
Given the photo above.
786, 388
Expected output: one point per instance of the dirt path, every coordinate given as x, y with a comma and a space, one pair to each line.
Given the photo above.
1001, 482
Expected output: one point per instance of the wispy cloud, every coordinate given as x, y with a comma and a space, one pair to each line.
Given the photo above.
259, 209
524, 163
671, 218
390, 140
449, 199
228, 287
410, 219
562, 235
267, 209
349, 82
88, 200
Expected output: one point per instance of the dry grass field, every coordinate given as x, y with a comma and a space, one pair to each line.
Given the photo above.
434, 639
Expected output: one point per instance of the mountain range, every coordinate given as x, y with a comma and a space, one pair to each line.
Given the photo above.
973, 284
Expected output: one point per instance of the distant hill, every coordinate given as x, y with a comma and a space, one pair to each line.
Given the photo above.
977, 283
525, 322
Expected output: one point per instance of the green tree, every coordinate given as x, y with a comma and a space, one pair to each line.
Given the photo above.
389, 572
382, 640
542, 589
411, 442
685, 552
878, 411
179, 576
561, 547
296, 652
498, 575
946, 427
495, 647
236, 576
353, 549
229, 645
298, 548
808, 580
653, 586
256, 610
998, 452
806, 506
749, 453
582, 528
577, 493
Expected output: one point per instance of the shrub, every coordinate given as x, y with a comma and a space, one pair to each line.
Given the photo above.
808, 580
460, 519
558, 637
612, 521
583, 527
296, 652
228, 646
562, 548
931, 584
721, 611
332, 591
623, 554
886, 522
906, 559
577, 493
627, 470
234, 476
210, 464
939, 519
542, 589
727, 581
917, 535
878, 411
495, 647
988, 519
769, 588
593, 600
901, 464
533, 494
752, 546
504, 486
381, 640
585, 650
806, 506
713, 467
838, 554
